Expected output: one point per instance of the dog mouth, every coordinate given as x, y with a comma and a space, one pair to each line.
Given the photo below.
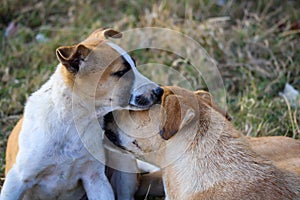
114, 138
109, 130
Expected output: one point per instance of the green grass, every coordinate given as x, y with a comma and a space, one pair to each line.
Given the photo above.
257, 50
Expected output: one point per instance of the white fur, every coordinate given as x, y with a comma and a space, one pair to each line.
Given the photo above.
52, 158
141, 83
123, 53
147, 167
57, 130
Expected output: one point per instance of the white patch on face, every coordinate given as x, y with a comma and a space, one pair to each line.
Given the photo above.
123, 53
142, 86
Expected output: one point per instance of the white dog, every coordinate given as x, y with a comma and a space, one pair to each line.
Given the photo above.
53, 151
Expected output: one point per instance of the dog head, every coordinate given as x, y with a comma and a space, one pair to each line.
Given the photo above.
99, 70
181, 111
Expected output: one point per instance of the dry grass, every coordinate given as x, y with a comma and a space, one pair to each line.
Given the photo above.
256, 46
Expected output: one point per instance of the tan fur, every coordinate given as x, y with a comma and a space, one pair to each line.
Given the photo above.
208, 98
218, 163
13, 146
68, 77
101, 57
284, 152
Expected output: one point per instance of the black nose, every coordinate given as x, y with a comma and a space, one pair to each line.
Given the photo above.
158, 92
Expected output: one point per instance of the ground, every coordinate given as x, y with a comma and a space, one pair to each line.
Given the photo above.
254, 43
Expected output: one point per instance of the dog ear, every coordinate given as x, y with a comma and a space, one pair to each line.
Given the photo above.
72, 56
111, 33
175, 114
208, 98
205, 95
100, 34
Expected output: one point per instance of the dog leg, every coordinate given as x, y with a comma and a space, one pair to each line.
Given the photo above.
96, 184
99, 189
124, 184
14, 186
121, 171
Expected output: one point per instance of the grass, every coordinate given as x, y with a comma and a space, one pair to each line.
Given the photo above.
256, 46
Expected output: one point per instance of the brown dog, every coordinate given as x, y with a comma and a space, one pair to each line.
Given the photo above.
202, 155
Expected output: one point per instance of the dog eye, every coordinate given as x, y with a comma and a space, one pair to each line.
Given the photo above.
121, 72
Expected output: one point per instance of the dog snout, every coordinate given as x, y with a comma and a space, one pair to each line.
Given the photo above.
144, 92
147, 99
142, 100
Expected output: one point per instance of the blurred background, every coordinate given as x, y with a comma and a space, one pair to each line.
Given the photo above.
254, 43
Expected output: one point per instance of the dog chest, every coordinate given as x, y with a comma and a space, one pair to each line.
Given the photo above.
62, 180
58, 182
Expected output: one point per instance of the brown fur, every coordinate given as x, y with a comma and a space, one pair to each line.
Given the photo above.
218, 163
208, 98
100, 62
284, 152
13, 146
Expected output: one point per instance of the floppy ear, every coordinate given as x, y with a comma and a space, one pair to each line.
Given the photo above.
72, 56
208, 98
175, 114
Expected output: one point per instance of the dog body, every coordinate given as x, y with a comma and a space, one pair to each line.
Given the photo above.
201, 154
55, 150
283, 152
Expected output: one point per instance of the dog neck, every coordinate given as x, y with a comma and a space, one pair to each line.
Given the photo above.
57, 99
71, 117
61, 94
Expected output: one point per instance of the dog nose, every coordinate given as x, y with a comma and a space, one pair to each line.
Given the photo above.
158, 92
145, 100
